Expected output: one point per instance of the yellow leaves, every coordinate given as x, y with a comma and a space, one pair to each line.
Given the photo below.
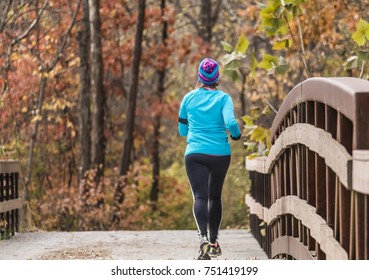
268, 61
55, 71
2, 101
36, 118
361, 34
257, 138
57, 104
37, 73
3, 224
254, 64
15, 56
282, 44
361, 56
242, 44
75, 62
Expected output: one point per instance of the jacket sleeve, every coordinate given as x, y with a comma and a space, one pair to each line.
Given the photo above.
182, 120
230, 120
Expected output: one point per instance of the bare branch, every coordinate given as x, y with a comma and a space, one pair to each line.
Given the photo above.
3, 21
16, 14
128, 10
299, 47
64, 42
7, 62
270, 106
192, 20
70, 7
33, 24
362, 69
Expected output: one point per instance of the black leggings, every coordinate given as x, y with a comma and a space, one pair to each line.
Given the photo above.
206, 174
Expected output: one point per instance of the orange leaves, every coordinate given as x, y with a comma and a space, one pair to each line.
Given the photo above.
252, 12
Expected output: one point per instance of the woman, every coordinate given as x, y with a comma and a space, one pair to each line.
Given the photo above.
204, 115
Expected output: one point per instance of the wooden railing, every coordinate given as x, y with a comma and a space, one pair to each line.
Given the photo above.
309, 197
10, 202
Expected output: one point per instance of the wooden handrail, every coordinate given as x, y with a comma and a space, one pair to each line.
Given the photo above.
309, 197
347, 95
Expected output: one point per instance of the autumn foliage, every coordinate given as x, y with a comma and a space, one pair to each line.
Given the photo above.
41, 82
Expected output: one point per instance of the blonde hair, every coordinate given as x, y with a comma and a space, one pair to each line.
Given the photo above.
199, 84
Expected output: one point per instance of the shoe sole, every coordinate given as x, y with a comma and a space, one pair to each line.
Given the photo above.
214, 255
204, 252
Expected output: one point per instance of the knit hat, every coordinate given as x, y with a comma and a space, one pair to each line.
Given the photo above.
208, 71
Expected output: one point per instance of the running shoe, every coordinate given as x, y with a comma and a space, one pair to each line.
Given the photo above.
204, 249
214, 250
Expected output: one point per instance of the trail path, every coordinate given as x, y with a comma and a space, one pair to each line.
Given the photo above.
125, 245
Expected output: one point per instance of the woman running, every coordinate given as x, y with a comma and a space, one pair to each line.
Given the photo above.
204, 115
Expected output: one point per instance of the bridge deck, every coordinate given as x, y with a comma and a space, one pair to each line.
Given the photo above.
128, 245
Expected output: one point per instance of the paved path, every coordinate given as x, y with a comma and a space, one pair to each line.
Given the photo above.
125, 245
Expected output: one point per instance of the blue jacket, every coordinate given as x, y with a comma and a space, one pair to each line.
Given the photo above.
204, 116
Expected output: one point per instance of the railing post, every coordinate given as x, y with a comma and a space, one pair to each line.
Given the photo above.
10, 203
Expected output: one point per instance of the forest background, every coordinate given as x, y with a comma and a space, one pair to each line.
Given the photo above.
90, 92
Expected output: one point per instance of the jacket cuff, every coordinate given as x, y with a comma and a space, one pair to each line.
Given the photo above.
236, 138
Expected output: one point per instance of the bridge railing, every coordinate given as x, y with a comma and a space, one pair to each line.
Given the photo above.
10, 201
309, 197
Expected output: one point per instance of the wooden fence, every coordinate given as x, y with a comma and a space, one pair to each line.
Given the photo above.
309, 197
10, 202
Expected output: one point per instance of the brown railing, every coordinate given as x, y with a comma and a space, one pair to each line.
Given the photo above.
309, 197
10, 202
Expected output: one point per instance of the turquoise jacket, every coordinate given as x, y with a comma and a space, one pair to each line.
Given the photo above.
204, 116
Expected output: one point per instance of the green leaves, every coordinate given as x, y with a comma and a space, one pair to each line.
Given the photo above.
241, 47
242, 44
257, 137
268, 61
254, 64
361, 34
275, 21
361, 56
226, 47
272, 21
351, 63
274, 65
233, 60
276, 15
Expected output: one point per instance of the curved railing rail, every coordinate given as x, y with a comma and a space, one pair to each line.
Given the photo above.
10, 201
309, 197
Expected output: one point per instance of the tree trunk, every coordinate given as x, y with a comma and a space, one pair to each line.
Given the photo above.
40, 102
131, 107
208, 18
46, 68
206, 25
85, 101
85, 114
97, 89
154, 194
